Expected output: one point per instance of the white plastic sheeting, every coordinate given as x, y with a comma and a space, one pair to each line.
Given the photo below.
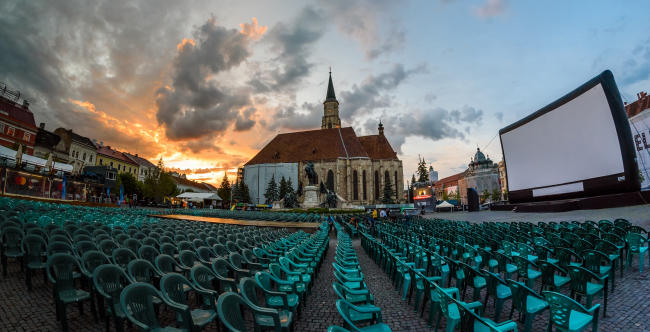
257, 177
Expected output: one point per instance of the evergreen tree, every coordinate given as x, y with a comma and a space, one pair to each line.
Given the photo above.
224, 188
299, 191
423, 172
283, 189
388, 192
246, 197
236, 192
496, 195
271, 193
413, 179
290, 199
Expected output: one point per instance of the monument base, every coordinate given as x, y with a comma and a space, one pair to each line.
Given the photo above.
311, 197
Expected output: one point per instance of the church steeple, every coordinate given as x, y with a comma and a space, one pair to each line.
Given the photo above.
330, 108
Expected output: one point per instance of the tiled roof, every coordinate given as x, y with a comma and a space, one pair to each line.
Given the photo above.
639, 105
450, 180
81, 139
17, 113
139, 160
377, 147
107, 151
320, 144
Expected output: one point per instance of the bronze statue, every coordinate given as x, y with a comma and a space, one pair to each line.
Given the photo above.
311, 173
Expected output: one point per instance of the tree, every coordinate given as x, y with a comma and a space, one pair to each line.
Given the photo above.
457, 195
224, 188
445, 195
412, 188
412, 178
485, 195
236, 192
299, 191
246, 197
271, 193
496, 195
423, 172
130, 184
290, 199
387, 198
282, 191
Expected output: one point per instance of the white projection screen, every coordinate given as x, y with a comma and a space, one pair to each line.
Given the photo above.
580, 145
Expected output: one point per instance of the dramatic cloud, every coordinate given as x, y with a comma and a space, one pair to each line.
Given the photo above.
292, 43
435, 124
491, 8
252, 30
196, 105
307, 116
371, 94
366, 21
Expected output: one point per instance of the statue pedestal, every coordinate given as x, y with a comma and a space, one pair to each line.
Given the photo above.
311, 197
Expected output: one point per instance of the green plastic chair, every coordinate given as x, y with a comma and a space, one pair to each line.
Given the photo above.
498, 289
582, 285
167, 264
137, 304
60, 272
347, 309
568, 315
264, 316
354, 296
34, 247
526, 301
174, 288
450, 310
141, 270
636, 247
226, 276
230, 310
553, 276
11, 242
270, 282
524, 271
122, 257
109, 280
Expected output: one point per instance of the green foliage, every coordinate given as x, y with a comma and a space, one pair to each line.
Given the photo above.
159, 184
236, 193
496, 195
423, 172
224, 188
445, 195
457, 195
387, 197
246, 198
485, 195
272, 193
131, 184
283, 190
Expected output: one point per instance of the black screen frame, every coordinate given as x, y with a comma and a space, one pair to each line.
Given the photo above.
609, 184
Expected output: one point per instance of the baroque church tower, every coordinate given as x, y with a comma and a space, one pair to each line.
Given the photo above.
330, 108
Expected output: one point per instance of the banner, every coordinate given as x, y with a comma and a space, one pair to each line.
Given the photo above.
640, 125
63, 185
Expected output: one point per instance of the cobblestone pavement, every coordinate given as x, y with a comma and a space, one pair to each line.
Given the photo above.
638, 214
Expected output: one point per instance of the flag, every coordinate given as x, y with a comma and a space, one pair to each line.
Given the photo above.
121, 194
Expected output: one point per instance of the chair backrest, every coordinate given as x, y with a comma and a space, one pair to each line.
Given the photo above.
12, 238
148, 252
187, 258
110, 279
248, 289
635, 241
34, 246
221, 267
60, 270
137, 304
92, 259
165, 263
203, 276
172, 286
141, 270
561, 306
229, 310
122, 257
58, 247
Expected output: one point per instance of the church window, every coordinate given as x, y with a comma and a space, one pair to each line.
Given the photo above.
396, 188
355, 186
376, 185
84, 156
363, 184
329, 125
330, 180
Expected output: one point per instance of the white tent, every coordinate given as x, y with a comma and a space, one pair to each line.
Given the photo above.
198, 197
7, 153
445, 205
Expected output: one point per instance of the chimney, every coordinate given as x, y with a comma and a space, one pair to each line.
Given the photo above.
25, 104
42, 125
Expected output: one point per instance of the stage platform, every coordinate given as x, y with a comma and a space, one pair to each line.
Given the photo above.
305, 226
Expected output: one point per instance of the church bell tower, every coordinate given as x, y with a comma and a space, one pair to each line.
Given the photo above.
330, 108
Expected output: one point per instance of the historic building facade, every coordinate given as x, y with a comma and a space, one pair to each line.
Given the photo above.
355, 167
482, 175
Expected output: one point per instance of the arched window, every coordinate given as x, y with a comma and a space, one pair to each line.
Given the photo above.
363, 184
386, 178
355, 186
396, 187
376, 185
330, 180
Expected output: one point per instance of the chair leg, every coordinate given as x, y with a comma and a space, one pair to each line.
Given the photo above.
64, 319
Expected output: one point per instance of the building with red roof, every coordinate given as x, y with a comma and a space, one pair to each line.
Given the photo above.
17, 125
357, 168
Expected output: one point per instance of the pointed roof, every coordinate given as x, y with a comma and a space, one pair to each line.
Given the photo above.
377, 147
331, 96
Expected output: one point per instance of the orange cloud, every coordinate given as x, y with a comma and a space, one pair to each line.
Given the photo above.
185, 42
252, 30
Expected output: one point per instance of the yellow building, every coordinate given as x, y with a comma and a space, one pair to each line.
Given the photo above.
116, 159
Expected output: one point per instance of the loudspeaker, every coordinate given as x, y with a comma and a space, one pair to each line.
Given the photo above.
472, 200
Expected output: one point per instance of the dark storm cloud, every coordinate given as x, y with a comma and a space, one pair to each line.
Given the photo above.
200, 145
244, 120
106, 52
434, 124
305, 116
196, 105
366, 21
292, 44
372, 93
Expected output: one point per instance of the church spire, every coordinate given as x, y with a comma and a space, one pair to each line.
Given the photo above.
330, 108
330, 89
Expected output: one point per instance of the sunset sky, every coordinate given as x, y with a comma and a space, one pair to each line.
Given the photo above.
205, 84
